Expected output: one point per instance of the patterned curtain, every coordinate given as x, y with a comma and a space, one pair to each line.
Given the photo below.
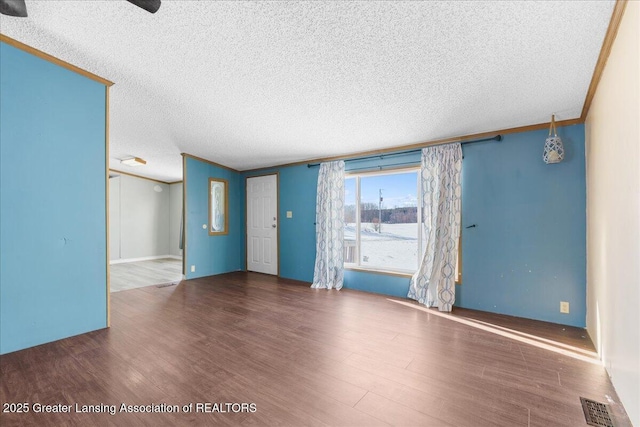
434, 282
329, 269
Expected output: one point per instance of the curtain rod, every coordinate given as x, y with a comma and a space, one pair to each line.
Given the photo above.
398, 153
383, 167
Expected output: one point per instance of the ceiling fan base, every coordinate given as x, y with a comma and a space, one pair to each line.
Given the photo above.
151, 6
15, 8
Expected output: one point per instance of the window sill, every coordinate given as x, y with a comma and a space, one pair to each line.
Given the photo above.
374, 271
386, 272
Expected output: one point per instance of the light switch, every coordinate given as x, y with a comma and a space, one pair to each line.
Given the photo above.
289, 214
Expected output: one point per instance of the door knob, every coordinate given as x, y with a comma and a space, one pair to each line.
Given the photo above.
273, 225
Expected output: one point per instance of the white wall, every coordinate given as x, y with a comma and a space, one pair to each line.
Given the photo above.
139, 217
114, 217
175, 216
613, 214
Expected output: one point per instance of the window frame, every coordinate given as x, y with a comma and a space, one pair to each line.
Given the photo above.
386, 171
357, 266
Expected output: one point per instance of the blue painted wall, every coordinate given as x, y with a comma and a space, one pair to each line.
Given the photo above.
529, 216
52, 202
376, 282
212, 254
528, 251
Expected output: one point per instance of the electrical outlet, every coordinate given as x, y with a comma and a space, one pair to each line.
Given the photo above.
193, 268
564, 307
289, 214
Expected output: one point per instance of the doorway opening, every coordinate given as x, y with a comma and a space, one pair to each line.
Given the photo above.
145, 231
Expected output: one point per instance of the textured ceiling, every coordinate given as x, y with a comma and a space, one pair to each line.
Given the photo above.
253, 84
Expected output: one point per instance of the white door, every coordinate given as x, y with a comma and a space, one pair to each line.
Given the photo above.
262, 224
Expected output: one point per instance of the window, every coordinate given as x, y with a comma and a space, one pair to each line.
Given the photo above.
382, 231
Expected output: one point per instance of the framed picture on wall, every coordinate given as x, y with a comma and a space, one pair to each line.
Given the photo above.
218, 206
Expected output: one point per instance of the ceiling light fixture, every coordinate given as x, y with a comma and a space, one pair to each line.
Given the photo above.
553, 149
133, 161
13, 8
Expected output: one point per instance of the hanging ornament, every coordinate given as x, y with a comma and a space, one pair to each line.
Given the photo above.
553, 149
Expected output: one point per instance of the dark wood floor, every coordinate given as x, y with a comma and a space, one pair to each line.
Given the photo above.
305, 357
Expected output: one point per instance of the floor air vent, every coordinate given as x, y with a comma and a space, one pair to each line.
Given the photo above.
596, 413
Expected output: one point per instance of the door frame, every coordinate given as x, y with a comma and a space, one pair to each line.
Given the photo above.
246, 218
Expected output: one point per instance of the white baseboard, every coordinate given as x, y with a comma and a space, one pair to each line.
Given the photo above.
145, 258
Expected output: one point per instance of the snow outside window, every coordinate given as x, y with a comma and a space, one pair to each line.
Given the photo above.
382, 231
